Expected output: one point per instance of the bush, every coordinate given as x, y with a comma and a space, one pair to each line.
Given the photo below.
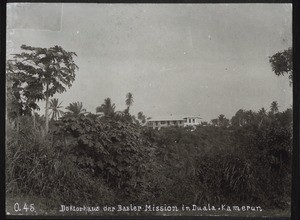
92, 160
34, 166
214, 165
110, 150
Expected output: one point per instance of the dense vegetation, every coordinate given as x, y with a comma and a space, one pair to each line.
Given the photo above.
89, 159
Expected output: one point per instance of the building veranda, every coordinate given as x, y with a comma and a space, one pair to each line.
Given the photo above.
161, 122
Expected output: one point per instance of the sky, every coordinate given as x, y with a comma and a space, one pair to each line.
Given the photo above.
179, 59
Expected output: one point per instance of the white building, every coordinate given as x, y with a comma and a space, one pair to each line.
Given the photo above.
192, 120
158, 123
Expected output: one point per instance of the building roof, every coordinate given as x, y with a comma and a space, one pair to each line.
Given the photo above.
172, 118
192, 117
167, 118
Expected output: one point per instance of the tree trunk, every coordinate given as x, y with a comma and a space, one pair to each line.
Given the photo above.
47, 111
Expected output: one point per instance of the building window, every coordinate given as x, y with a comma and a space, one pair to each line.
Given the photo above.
162, 122
156, 123
190, 121
168, 122
193, 120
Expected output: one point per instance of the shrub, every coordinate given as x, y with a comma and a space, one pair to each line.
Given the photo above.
111, 150
34, 166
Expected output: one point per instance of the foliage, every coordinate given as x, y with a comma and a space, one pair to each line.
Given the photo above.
40, 67
21, 96
274, 107
107, 108
248, 162
128, 101
34, 166
244, 161
55, 106
141, 117
220, 121
75, 109
282, 63
110, 149
39, 73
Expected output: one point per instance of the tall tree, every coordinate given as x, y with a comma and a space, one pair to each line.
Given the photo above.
75, 109
262, 115
42, 72
128, 101
274, 107
108, 108
55, 107
21, 96
282, 63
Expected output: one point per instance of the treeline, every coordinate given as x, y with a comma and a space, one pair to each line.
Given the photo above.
104, 160
242, 163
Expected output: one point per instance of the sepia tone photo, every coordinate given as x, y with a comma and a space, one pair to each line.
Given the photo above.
149, 109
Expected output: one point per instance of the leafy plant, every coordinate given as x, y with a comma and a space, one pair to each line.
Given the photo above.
110, 149
39, 73
34, 166
55, 107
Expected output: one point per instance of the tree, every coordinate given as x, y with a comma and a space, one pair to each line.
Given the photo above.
55, 107
203, 123
285, 118
223, 121
75, 109
262, 115
39, 73
107, 108
141, 117
239, 119
128, 101
282, 63
262, 111
274, 107
215, 122
21, 97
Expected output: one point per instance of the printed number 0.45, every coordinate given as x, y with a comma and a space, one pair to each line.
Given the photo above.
26, 208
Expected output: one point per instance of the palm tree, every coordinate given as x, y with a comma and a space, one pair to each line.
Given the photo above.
128, 101
262, 111
76, 109
107, 108
55, 109
262, 114
274, 107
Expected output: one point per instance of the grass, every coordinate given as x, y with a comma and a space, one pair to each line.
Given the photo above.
43, 207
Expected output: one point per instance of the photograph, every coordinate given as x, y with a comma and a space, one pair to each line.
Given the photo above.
148, 110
